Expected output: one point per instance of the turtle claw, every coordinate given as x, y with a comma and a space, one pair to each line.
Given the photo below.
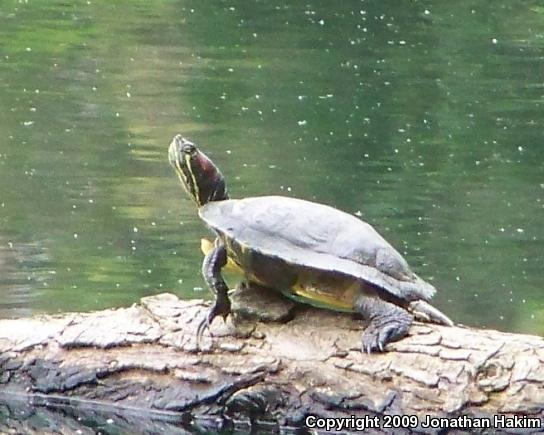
375, 339
202, 326
387, 323
221, 307
371, 342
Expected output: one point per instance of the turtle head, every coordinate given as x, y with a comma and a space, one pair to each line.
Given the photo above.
201, 179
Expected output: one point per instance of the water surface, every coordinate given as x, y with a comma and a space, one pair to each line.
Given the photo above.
423, 118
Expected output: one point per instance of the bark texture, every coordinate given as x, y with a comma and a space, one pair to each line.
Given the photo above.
143, 360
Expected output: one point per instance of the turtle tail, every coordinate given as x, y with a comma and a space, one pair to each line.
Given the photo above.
425, 312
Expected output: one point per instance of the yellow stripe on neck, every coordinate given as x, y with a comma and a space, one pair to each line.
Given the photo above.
195, 185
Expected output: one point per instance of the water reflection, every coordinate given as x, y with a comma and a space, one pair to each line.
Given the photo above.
39, 416
423, 119
25, 273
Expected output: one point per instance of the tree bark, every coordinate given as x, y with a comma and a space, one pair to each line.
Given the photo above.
143, 361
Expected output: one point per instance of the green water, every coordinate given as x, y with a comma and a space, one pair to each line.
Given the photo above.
425, 118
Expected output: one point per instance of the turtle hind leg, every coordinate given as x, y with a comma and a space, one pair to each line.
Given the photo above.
387, 322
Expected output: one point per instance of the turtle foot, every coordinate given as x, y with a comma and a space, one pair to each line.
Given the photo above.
388, 322
376, 337
221, 307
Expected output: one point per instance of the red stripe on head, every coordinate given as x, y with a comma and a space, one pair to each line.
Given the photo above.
209, 170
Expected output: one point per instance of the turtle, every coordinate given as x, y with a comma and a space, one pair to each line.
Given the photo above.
312, 253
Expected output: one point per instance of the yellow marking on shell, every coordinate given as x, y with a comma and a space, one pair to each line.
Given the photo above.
207, 245
243, 248
303, 291
195, 185
340, 299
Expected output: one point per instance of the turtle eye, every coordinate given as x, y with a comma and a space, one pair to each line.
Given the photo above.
188, 148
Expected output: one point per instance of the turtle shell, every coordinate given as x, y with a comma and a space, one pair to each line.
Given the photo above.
310, 236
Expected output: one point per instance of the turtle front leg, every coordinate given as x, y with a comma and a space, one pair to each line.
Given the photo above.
387, 322
211, 269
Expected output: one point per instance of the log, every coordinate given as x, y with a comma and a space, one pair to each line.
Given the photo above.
141, 365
